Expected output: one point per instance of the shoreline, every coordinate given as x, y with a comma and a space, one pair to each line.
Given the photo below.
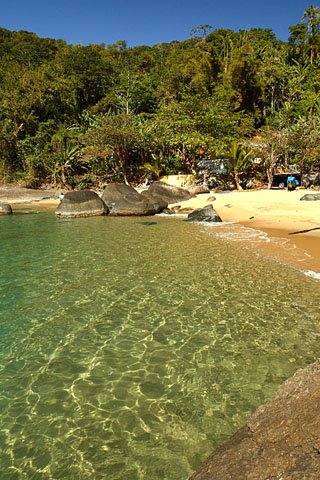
292, 226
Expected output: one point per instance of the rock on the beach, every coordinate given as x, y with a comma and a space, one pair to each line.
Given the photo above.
158, 202
124, 200
176, 208
169, 193
206, 214
309, 197
83, 203
198, 189
281, 440
5, 209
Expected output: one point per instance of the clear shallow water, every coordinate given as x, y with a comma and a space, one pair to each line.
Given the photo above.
129, 348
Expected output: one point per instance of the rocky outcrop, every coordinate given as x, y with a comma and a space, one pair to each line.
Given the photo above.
123, 200
169, 193
198, 189
5, 209
206, 214
311, 180
309, 197
158, 202
280, 441
83, 203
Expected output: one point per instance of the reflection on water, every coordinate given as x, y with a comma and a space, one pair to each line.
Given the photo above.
130, 348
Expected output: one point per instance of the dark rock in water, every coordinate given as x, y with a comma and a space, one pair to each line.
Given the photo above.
206, 214
83, 203
309, 197
198, 189
124, 200
169, 193
212, 199
280, 441
158, 202
5, 209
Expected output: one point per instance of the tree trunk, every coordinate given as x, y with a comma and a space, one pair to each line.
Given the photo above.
237, 181
270, 176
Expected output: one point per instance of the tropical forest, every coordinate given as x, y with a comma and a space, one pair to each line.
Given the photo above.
77, 116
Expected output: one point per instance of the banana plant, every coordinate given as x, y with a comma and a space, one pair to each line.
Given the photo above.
240, 159
66, 152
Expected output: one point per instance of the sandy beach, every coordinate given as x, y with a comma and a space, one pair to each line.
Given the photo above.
280, 214
292, 226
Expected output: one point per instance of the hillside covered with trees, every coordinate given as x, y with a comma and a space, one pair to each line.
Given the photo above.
75, 115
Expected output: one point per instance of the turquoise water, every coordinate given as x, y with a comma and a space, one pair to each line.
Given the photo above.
131, 347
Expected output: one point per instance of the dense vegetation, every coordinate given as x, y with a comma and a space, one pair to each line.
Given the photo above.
73, 115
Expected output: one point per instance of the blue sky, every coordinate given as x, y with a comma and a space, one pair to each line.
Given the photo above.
145, 22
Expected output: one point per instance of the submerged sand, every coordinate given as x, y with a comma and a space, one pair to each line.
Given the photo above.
294, 224
279, 213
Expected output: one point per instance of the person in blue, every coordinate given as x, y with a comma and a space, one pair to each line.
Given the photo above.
292, 183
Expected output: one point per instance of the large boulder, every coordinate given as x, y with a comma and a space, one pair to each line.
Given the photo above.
281, 440
206, 214
82, 203
169, 193
309, 197
124, 200
5, 209
198, 189
158, 202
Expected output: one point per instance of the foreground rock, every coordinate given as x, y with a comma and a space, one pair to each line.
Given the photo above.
280, 441
5, 209
123, 200
206, 214
309, 197
84, 203
169, 193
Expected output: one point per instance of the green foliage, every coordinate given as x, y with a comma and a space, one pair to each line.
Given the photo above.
240, 161
76, 115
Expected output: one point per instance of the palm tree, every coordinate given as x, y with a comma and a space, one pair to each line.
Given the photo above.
240, 159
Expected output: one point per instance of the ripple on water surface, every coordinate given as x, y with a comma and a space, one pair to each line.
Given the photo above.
129, 349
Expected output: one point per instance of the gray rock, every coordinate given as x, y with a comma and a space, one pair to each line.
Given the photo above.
158, 202
83, 203
169, 193
5, 209
198, 189
309, 197
124, 200
212, 199
206, 214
